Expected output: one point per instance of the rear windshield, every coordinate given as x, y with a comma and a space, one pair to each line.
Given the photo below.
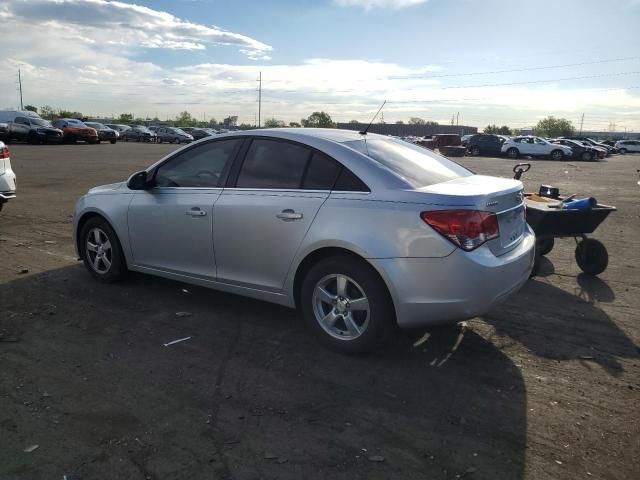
418, 166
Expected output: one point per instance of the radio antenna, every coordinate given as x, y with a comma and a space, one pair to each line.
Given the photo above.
364, 132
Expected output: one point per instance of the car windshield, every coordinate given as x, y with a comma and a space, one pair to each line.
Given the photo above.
40, 122
75, 123
418, 166
178, 131
140, 128
99, 126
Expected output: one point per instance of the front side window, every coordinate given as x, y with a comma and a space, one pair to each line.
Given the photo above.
198, 167
273, 164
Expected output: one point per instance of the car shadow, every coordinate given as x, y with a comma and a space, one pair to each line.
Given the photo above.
248, 394
559, 325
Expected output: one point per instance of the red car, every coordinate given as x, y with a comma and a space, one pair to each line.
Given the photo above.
74, 130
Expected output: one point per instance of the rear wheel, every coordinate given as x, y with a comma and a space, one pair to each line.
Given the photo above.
347, 305
557, 155
622, 151
513, 153
592, 256
101, 251
587, 156
113, 141
544, 246
475, 150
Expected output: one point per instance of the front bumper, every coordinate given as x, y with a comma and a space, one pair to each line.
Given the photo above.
431, 291
6, 196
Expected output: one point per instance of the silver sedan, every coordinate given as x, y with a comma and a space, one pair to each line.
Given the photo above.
359, 232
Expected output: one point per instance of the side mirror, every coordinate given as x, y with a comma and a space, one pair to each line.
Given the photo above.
138, 181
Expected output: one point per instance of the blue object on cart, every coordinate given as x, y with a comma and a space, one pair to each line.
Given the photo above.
581, 204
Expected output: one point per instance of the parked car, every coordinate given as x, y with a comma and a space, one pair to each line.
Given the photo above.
118, 127
172, 135
7, 177
628, 146
465, 139
104, 133
199, 133
138, 133
31, 129
427, 241
580, 150
485, 144
535, 147
154, 128
74, 130
609, 150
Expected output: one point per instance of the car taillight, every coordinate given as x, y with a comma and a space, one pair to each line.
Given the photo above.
4, 152
467, 229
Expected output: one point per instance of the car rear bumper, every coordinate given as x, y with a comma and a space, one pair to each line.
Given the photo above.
431, 291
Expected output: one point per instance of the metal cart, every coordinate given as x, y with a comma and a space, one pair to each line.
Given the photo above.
548, 224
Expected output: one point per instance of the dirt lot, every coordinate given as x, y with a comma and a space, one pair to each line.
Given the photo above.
545, 387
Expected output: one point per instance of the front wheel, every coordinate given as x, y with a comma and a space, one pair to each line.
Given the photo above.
587, 156
347, 305
592, 256
113, 141
475, 150
557, 155
622, 151
101, 251
513, 153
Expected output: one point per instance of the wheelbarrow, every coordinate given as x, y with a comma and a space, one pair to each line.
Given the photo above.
550, 221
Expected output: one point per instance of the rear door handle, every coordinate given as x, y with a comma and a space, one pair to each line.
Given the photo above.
289, 215
196, 212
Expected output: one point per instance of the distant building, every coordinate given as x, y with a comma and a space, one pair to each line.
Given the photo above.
409, 130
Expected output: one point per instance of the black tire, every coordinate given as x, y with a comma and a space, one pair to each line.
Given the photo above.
592, 256
556, 155
158, 140
118, 267
112, 141
380, 316
622, 151
513, 153
544, 246
475, 150
587, 156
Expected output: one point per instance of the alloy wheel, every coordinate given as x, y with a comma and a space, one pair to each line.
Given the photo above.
341, 307
99, 251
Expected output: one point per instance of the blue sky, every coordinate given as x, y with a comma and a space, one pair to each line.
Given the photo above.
427, 58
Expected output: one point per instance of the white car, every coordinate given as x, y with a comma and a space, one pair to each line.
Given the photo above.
625, 146
7, 177
535, 147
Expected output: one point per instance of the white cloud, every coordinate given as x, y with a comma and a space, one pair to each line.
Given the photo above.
370, 4
132, 25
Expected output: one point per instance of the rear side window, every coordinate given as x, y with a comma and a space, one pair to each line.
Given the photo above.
418, 166
273, 164
322, 173
348, 182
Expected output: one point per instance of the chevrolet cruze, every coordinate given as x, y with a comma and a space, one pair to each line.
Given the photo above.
360, 232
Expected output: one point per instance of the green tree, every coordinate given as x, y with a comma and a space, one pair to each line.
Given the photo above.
431, 123
31, 108
184, 119
246, 126
554, 127
294, 125
125, 118
399, 122
47, 112
354, 122
318, 120
416, 121
273, 123
69, 114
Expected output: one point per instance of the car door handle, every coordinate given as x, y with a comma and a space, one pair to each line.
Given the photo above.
196, 212
289, 215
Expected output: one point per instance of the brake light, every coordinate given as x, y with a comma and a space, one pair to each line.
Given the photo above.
467, 229
4, 152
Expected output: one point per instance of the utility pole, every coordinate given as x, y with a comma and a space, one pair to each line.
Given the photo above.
20, 83
457, 118
581, 123
259, 98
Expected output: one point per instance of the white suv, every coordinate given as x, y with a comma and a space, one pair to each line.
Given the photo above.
625, 146
536, 147
7, 177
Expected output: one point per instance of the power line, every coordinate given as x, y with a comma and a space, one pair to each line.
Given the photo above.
541, 81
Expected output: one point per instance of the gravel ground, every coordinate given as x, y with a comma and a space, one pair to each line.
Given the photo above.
544, 387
